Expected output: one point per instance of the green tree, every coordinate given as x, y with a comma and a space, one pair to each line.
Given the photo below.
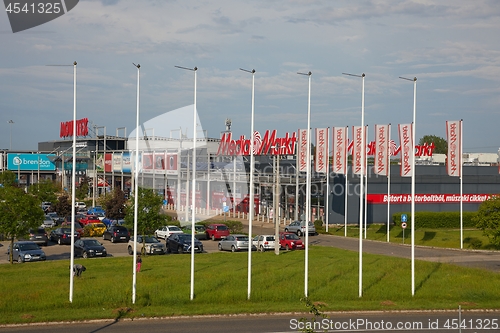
46, 190
82, 190
440, 144
19, 212
114, 205
8, 178
488, 219
149, 216
63, 206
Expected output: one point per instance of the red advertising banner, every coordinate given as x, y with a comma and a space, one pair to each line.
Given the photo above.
108, 162
406, 139
147, 161
321, 161
159, 161
381, 160
339, 147
427, 198
171, 163
359, 141
303, 142
454, 136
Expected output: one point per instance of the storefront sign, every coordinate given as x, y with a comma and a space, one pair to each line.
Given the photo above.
82, 128
427, 198
270, 144
30, 162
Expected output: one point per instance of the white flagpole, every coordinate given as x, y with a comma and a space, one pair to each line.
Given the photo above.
388, 180
327, 210
136, 190
361, 191
346, 188
366, 181
73, 195
461, 189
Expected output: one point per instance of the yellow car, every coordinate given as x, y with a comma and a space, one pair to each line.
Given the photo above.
95, 229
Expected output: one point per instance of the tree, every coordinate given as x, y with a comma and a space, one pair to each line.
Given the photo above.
8, 178
46, 190
488, 219
19, 212
82, 190
440, 144
149, 216
63, 206
114, 205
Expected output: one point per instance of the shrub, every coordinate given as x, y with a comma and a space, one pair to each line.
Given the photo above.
449, 220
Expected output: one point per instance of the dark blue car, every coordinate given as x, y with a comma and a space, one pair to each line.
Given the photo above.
181, 243
89, 248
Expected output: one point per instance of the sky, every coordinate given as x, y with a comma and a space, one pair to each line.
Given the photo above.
452, 47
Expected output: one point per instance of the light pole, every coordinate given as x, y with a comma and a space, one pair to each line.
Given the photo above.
136, 188
413, 183
252, 170
308, 182
193, 191
103, 155
361, 190
10, 123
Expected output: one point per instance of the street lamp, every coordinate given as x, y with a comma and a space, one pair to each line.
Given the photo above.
308, 182
136, 188
361, 190
10, 123
252, 170
193, 194
413, 183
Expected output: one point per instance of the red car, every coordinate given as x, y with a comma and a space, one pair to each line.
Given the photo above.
217, 231
290, 241
89, 219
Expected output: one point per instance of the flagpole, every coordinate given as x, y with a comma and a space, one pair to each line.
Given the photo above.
366, 179
388, 180
461, 188
346, 188
327, 178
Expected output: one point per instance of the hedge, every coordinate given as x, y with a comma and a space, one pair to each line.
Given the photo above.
448, 220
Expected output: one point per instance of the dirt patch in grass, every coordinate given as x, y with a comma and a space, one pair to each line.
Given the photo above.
387, 303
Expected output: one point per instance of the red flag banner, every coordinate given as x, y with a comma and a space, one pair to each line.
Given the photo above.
454, 136
339, 147
358, 150
381, 160
303, 142
406, 143
321, 162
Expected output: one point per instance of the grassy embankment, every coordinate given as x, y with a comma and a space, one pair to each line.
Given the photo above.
34, 292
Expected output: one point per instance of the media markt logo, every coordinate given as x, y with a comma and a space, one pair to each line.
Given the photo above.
17, 161
28, 14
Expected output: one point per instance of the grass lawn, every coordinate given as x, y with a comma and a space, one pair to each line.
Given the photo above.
446, 238
34, 292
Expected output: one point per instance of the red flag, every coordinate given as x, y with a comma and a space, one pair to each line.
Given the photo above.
358, 150
339, 147
321, 161
303, 142
454, 136
406, 144
381, 160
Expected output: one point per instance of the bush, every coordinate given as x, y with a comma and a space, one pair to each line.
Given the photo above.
318, 224
437, 220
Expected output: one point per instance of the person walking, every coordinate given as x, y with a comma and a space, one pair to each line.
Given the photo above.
139, 263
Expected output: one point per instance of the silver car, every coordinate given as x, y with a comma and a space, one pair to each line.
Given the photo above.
299, 228
27, 251
151, 245
235, 243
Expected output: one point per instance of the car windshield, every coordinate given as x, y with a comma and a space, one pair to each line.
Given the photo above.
91, 242
270, 238
199, 228
242, 238
221, 227
149, 239
174, 228
28, 246
66, 230
291, 236
184, 237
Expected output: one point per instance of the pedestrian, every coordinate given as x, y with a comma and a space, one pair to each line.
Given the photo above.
139, 262
78, 270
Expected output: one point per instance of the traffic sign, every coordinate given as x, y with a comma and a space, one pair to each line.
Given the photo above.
224, 199
225, 209
404, 218
403, 225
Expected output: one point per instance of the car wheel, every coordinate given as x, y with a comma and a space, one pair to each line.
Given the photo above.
180, 249
85, 255
130, 251
299, 233
103, 237
59, 241
168, 249
287, 247
233, 249
213, 237
220, 247
113, 240
286, 229
262, 249
20, 260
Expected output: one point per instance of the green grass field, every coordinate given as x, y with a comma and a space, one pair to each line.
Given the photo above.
446, 238
35, 292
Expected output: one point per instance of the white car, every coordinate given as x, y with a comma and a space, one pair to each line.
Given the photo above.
263, 242
166, 231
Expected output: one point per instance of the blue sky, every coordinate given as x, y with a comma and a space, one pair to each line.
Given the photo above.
452, 47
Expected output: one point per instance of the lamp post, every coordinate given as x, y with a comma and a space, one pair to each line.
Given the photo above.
10, 123
361, 190
413, 183
252, 170
103, 156
136, 188
308, 182
193, 191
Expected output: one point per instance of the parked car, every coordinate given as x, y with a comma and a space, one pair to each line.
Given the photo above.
48, 222
57, 219
62, 235
217, 231
39, 236
116, 233
46, 206
27, 251
108, 222
299, 227
166, 231
290, 241
264, 242
89, 248
199, 231
151, 246
235, 243
89, 219
78, 227
95, 210
95, 228
80, 205
181, 243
